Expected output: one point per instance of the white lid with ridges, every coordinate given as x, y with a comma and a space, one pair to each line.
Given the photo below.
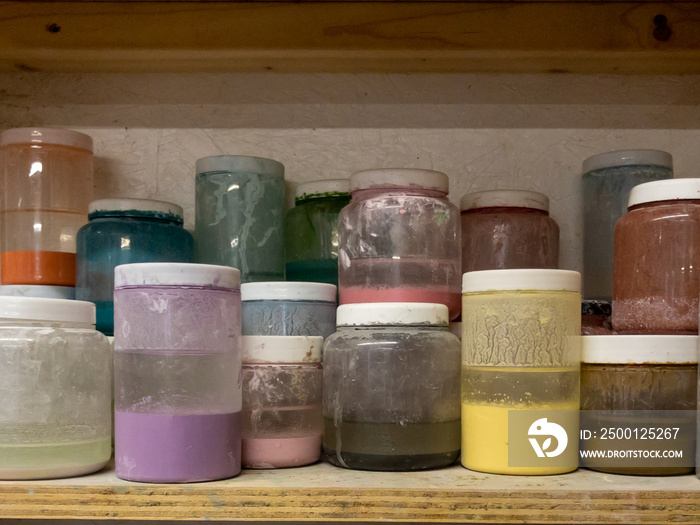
639, 349
399, 178
38, 290
665, 190
48, 310
281, 349
176, 274
505, 198
530, 279
136, 205
628, 157
61, 137
320, 187
288, 291
389, 314
239, 163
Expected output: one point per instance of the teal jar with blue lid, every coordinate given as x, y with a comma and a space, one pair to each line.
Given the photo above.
123, 231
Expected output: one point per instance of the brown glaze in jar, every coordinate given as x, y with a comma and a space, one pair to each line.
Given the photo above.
508, 229
657, 254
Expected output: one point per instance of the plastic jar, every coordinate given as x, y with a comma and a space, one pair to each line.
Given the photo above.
311, 231
607, 179
46, 186
56, 381
391, 388
521, 359
504, 229
657, 250
639, 382
288, 308
282, 401
177, 369
399, 240
239, 215
123, 231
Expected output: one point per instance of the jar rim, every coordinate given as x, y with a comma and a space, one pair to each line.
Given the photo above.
47, 309
54, 136
320, 188
504, 199
238, 163
399, 178
664, 190
628, 157
123, 207
392, 314
176, 274
624, 349
526, 279
288, 291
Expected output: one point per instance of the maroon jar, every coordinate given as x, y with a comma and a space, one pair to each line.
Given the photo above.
508, 229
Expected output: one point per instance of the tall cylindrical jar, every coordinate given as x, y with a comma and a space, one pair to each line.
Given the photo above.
239, 215
508, 229
657, 260
282, 401
520, 371
607, 179
46, 187
399, 240
177, 369
56, 382
311, 231
391, 388
123, 231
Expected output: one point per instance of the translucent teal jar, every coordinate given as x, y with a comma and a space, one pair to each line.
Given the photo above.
239, 215
311, 231
123, 231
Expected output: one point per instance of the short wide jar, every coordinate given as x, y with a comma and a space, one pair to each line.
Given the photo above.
56, 376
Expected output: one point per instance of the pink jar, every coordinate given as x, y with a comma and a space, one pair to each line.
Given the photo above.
508, 229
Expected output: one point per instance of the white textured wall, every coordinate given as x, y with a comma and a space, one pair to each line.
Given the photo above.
484, 131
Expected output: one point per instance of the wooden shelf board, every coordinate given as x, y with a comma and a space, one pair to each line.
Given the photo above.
323, 492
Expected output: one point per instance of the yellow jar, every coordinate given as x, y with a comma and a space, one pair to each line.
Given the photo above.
520, 371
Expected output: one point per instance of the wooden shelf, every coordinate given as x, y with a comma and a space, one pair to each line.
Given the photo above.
352, 36
324, 492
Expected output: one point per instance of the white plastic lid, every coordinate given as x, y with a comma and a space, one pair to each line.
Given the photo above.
531, 279
61, 137
237, 163
281, 349
665, 190
639, 349
399, 178
176, 274
135, 204
288, 291
49, 310
38, 290
319, 187
628, 157
389, 314
505, 198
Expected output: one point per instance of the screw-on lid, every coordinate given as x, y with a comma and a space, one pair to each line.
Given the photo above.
531, 279
628, 157
321, 187
390, 314
504, 198
176, 274
639, 349
167, 209
239, 163
399, 178
61, 137
665, 190
281, 349
49, 310
288, 291
38, 290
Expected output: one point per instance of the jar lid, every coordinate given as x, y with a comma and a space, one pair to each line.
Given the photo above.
49, 310
167, 209
639, 349
505, 198
530, 279
288, 291
321, 187
281, 349
628, 157
665, 190
176, 274
38, 290
61, 137
238, 163
389, 314
399, 178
